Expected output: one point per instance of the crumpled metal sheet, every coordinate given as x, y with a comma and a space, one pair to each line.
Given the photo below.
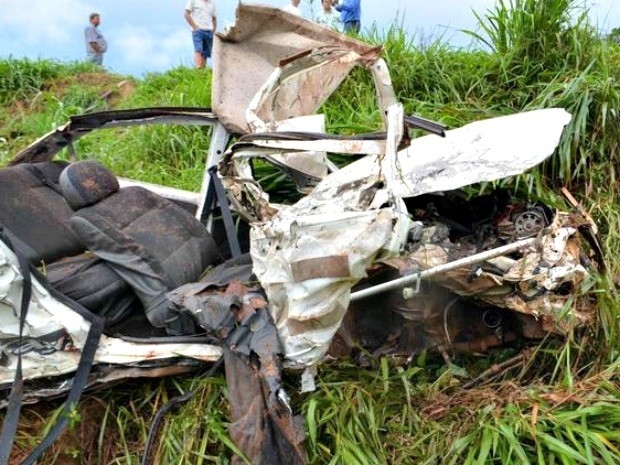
481, 151
300, 87
308, 312
343, 216
46, 317
357, 228
544, 282
261, 39
484, 150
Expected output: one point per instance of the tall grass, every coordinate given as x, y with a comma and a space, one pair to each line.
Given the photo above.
44, 94
38, 96
23, 78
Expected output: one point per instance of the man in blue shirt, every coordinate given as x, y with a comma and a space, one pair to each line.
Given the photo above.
350, 14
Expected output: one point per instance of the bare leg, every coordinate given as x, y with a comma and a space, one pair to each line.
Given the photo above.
199, 60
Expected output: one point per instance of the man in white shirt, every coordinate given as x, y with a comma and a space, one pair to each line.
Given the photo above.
293, 7
327, 16
202, 18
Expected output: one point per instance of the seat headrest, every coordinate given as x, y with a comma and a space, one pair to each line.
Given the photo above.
87, 182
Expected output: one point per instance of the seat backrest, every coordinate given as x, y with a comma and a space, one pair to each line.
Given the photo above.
152, 243
35, 213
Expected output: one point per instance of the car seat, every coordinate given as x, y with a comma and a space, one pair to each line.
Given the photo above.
35, 216
152, 243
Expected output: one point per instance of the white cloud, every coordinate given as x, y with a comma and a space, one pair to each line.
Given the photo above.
147, 49
43, 22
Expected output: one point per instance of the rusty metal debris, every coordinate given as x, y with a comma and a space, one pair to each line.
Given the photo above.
263, 425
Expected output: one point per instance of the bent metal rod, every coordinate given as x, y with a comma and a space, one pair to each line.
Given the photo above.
461, 262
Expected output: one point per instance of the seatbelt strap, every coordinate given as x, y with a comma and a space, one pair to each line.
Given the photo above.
11, 418
79, 383
216, 194
210, 201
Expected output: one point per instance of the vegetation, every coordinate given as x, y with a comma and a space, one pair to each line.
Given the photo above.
562, 406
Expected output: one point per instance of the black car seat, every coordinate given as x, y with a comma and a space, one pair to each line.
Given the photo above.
35, 216
89, 280
152, 243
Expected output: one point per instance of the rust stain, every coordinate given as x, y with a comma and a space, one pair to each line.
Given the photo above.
335, 266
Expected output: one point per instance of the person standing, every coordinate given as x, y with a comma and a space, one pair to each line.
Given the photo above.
350, 13
293, 7
327, 16
96, 45
201, 15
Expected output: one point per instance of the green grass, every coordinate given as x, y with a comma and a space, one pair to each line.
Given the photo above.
561, 407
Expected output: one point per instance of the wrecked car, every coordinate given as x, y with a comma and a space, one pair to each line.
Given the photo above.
104, 278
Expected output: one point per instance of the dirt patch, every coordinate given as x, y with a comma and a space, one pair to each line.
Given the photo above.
96, 79
120, 92
82, 442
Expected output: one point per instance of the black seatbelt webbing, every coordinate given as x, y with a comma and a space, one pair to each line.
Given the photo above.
79, 382
216, 194
210, 202
11, 418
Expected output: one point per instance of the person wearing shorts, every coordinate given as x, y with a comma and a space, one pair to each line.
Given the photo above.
201, 16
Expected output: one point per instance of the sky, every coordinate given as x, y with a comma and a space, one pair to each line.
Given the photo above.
147, 36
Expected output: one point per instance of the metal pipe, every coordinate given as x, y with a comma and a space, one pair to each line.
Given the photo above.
466, 261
